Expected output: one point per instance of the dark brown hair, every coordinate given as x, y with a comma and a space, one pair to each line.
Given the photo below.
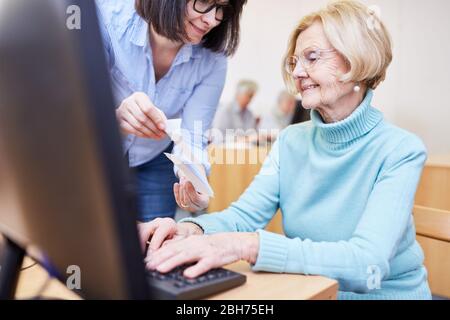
167, 18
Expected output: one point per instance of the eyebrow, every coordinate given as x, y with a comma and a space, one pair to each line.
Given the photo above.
297, 52
313, 45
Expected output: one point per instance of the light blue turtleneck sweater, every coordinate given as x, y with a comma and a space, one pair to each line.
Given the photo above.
346, 192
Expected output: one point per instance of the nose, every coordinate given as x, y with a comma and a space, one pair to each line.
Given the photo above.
210, 18
299, 71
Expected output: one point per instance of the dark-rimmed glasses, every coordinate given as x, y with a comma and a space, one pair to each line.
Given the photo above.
223, 11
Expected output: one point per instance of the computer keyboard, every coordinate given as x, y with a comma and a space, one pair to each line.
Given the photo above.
174, 285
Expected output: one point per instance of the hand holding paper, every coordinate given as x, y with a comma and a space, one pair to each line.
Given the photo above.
187, 164
198, 179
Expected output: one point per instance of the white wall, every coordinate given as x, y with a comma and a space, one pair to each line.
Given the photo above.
416, 93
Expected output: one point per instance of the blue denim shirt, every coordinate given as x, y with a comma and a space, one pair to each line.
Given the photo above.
190, 90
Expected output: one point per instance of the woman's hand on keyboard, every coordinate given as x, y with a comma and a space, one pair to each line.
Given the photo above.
209, 251
154, 233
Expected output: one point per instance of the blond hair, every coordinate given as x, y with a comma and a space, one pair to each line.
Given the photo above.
358, 34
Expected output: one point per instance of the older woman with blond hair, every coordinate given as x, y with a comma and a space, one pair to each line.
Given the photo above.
345, 182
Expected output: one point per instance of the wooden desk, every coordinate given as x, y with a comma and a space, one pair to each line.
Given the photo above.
270, 286
259, 286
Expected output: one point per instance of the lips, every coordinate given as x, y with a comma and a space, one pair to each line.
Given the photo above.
199, 30
306, 87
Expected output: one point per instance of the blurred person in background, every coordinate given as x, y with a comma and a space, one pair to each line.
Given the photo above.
237, 117
278, 117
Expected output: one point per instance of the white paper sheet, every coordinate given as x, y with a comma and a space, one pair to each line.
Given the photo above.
189, 169
191, 173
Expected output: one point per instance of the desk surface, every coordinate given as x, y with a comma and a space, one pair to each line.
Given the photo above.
259, 286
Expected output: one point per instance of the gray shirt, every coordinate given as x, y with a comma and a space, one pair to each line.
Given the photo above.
276, 119
233, 117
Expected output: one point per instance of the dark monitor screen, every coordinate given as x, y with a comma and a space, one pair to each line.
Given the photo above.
62, 170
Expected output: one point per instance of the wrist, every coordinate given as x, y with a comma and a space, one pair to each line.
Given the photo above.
249, 246
191, 228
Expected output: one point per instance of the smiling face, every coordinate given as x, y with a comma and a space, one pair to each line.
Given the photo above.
319, 85
199, 24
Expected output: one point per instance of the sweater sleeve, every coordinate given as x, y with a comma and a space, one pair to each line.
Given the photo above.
375, 239
254, 209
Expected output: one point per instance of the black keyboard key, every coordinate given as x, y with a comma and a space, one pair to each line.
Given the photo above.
162, 277
190, 281
173, 285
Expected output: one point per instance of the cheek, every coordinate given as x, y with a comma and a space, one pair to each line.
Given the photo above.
328, 78
191, 16
326, 74
190, 13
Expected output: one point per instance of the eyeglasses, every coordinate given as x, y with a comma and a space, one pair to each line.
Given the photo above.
223, 11
308, 58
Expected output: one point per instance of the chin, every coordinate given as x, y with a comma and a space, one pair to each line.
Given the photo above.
310, 103
195, 41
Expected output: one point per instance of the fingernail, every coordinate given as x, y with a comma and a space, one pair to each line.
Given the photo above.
162, 126
161, 268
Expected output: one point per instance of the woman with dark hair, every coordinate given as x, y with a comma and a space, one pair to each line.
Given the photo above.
168, 59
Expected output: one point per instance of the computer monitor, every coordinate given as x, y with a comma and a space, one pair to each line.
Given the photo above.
62, 171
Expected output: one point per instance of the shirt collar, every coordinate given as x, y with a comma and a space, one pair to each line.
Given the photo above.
139, 36
188, 52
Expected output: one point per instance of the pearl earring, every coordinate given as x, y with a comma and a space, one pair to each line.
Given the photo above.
357, 88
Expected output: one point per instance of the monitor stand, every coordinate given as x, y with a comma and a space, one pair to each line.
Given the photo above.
10, 265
